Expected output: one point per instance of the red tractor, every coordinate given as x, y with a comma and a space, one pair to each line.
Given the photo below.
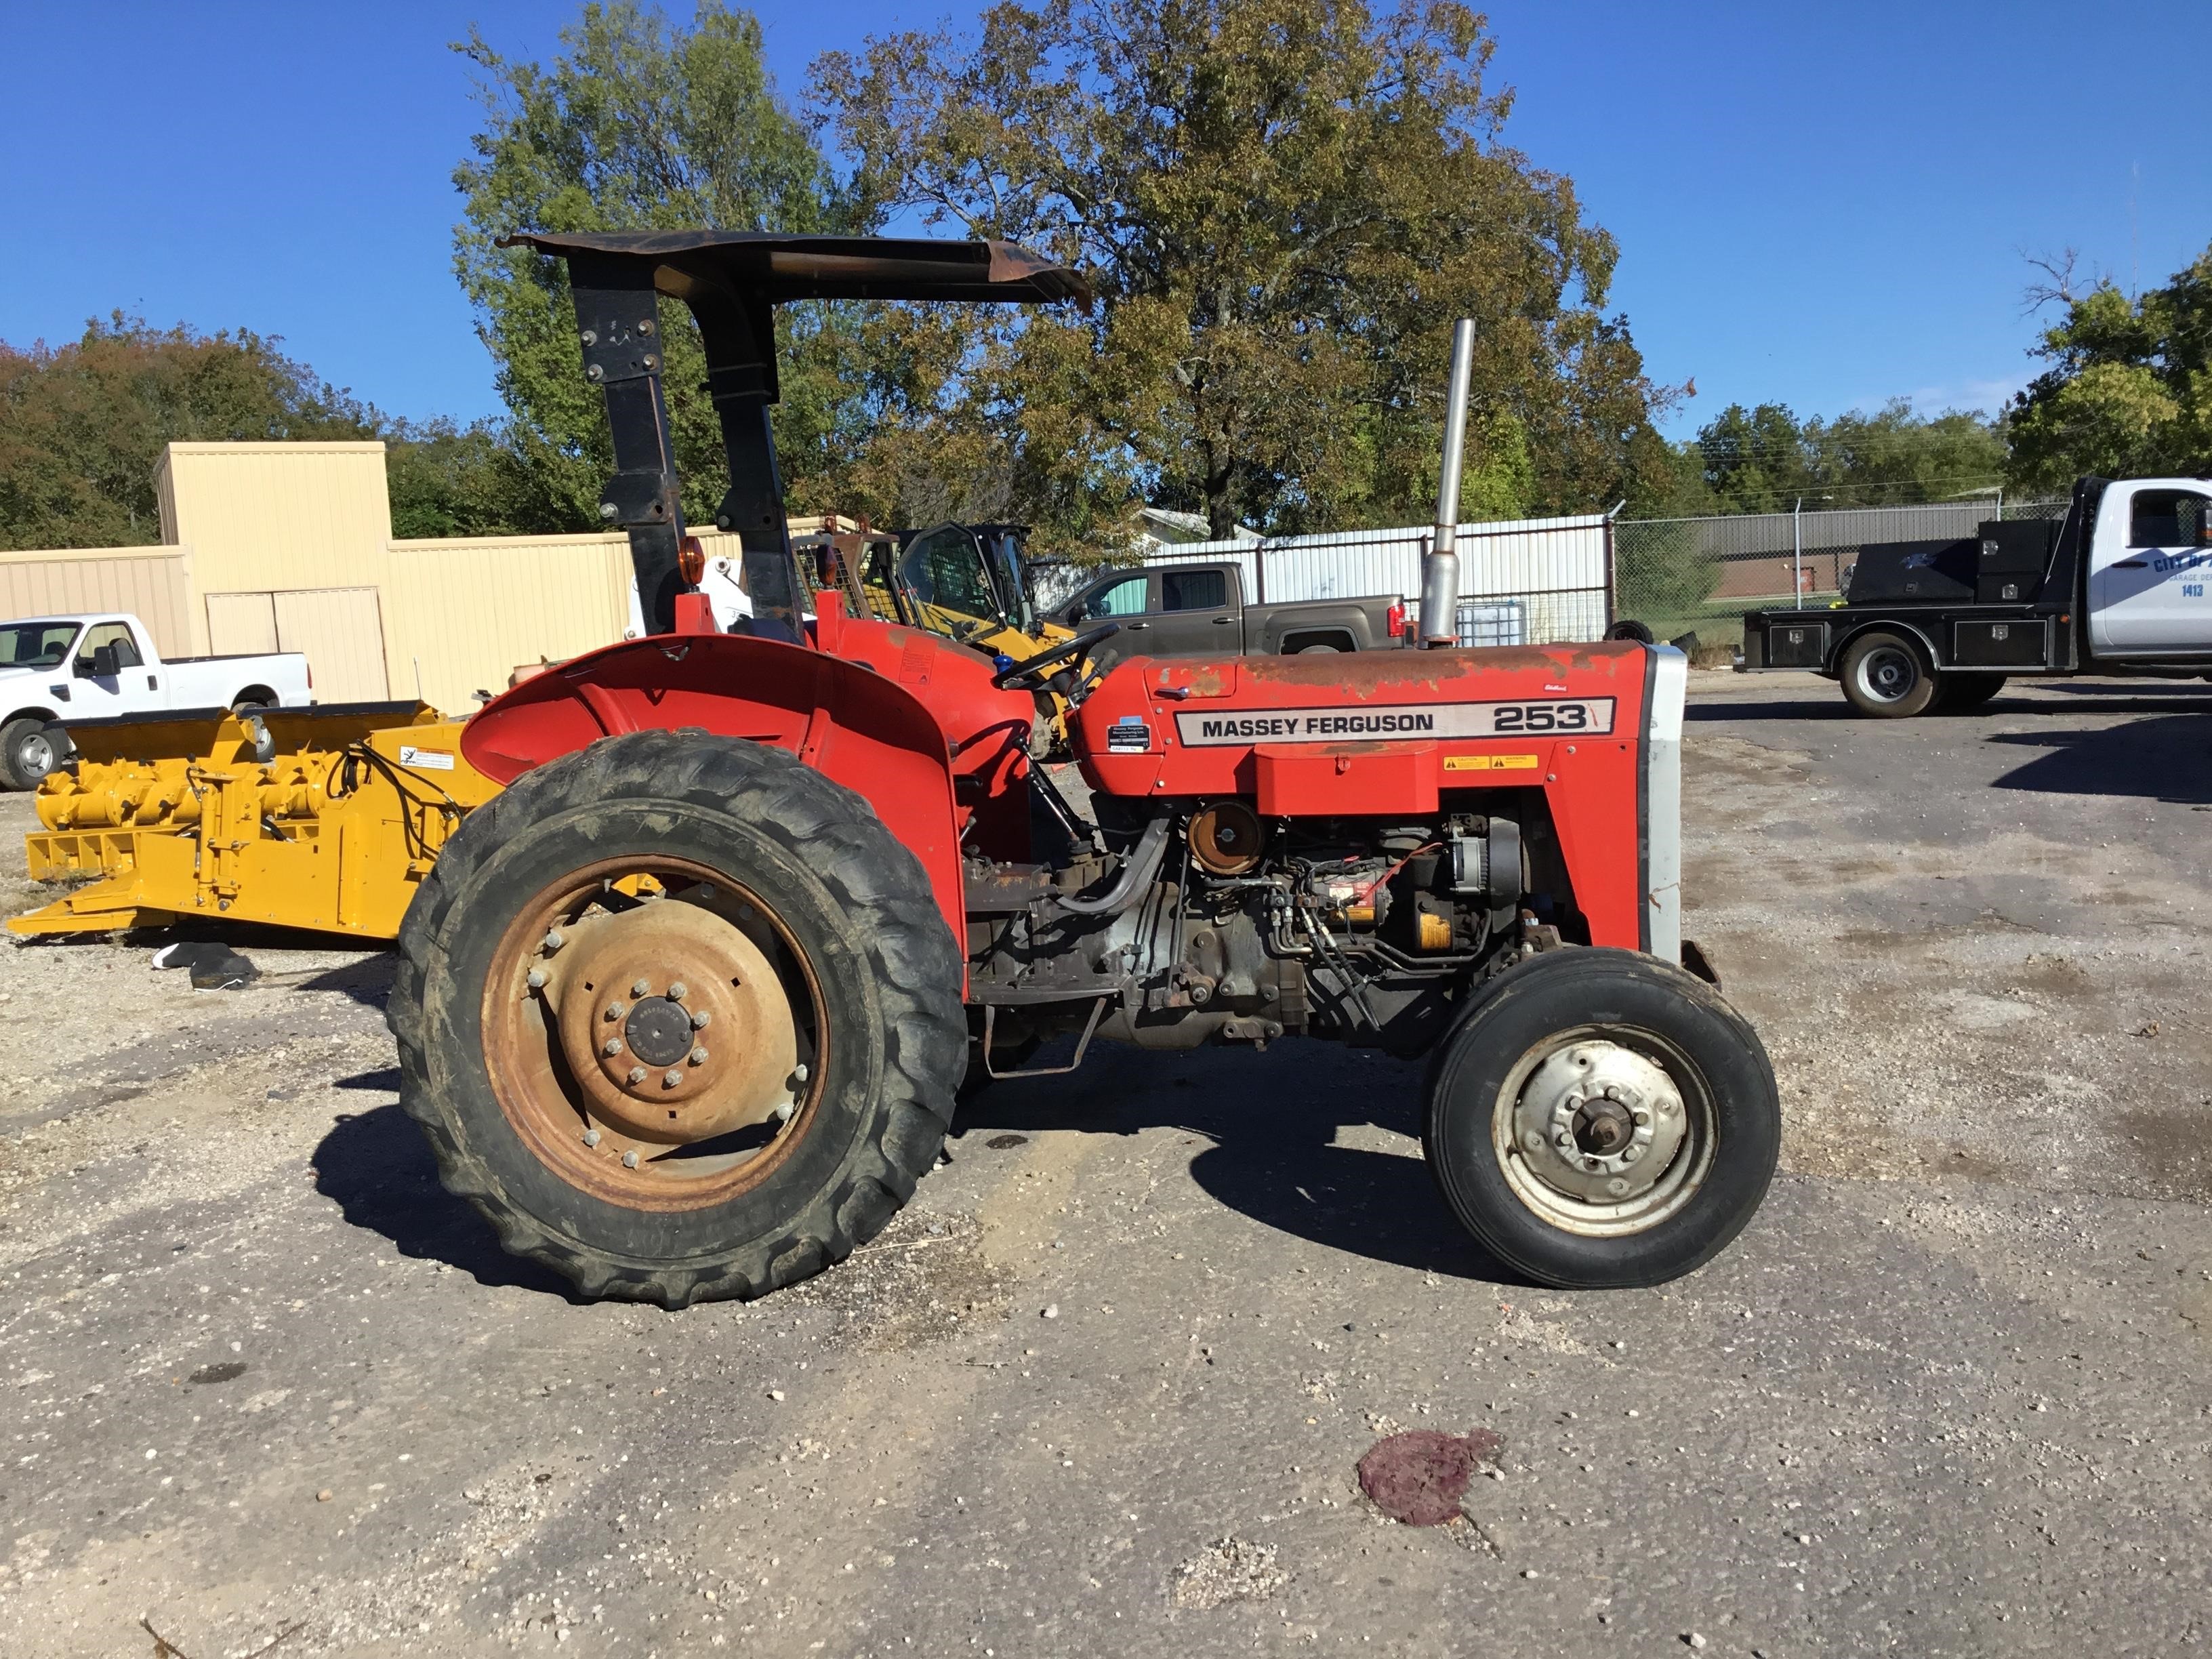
685, 1010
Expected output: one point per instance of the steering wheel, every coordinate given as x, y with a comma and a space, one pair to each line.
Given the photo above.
1026, 675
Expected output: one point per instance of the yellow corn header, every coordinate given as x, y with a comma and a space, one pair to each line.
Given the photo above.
313, 818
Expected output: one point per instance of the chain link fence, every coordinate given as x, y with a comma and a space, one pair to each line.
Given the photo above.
1700, 576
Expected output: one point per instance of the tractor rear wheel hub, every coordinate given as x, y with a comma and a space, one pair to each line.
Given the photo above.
660, 975
658, 1031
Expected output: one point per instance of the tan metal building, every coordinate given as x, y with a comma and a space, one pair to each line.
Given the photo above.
154, 582
288, 547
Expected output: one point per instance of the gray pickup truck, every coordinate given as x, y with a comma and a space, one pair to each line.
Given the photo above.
1199, 610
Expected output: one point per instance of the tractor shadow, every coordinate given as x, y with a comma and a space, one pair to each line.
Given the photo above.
2160, 758
376, 1168
1265, 1128
1269, 1127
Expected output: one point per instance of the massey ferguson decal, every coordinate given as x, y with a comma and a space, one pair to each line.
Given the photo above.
1591, 715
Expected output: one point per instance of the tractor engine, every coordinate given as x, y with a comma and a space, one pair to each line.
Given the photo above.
1209, 922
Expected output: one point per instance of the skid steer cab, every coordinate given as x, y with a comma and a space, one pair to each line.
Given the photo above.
686, 1008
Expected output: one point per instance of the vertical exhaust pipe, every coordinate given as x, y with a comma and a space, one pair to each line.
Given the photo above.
1440, 572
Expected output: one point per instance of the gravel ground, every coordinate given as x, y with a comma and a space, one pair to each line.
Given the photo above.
1102, 1387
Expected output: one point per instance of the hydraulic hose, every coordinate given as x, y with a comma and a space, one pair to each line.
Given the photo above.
1138, 870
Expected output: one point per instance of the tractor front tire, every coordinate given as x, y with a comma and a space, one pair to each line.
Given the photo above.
1884, 675
823, 1001
1600, 1119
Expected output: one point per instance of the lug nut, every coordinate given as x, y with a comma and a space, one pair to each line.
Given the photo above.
591, 1137
616, 1010
699, 1020
641, 988
1631, 1155
670, 1080
535, 979
629, 1159
611, 1046
1643, 1119
799, 1072
636, 1075
552, 942
1563, 1141
698, 1056
676, 990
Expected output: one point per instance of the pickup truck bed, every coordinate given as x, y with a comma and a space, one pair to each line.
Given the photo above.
2116, 588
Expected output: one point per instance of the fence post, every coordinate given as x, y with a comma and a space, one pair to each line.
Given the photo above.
1797, 554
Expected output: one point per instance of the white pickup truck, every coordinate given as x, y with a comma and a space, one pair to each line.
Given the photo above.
58, 671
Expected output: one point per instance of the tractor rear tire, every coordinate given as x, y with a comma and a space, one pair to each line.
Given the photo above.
1599, 1118
1884, 675
29, 749
862, 962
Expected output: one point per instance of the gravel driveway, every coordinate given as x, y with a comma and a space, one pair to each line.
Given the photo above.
1102, 1388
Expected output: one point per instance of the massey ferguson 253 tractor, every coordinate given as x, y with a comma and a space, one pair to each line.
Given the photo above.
685, 1010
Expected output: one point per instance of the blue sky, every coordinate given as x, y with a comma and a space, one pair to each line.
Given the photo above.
1824, 205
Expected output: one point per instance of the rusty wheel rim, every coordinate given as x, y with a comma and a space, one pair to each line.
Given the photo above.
582, 1007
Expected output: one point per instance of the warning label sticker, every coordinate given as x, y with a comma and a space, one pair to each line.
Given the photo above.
1203, 728
425, 760
1490, 762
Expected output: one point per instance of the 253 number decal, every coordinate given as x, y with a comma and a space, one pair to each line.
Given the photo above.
1542, 717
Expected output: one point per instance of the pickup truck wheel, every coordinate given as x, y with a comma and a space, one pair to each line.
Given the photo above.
29, 749
1883, 675
680, 1017
1600, 1119
1313, 650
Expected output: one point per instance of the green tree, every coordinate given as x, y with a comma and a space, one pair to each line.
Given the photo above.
2128, 390
1755, 457
82, 425
1284, 204
641, 124
449, 480
1765, 459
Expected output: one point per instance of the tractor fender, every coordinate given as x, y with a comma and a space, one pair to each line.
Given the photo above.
856, 726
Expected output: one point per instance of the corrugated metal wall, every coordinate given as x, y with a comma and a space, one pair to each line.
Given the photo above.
1558, 569
464, 612
154, 582
278, 517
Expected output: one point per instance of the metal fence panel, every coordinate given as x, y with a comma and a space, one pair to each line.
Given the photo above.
1557, 571
1704, 574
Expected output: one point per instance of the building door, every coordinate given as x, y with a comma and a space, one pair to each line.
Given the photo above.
341, 631
242, 624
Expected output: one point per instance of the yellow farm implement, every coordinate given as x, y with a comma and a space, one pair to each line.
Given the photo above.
318, 818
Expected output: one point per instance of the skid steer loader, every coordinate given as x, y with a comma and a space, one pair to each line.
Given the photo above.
684, 1009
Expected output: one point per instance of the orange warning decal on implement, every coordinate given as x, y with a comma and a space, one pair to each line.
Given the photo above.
1490, 762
